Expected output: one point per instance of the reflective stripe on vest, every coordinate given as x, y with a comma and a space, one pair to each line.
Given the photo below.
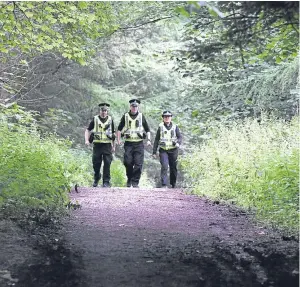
102, 131
167, 137
133, 129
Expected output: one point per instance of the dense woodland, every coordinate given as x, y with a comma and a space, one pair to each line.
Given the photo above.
229, 71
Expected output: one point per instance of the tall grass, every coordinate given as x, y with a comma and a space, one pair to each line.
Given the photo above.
254, 164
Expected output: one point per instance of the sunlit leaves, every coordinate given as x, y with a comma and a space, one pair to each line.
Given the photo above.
55, 26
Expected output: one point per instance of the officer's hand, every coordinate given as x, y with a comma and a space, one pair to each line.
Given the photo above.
177, 145
148, 143
87, 143
113, 149
154, 155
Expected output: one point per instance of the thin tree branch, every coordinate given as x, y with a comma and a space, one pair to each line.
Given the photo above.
42, 99
146, 23
140, 25
22, 96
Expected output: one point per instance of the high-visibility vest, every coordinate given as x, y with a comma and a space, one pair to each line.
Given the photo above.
167, 137
133, 128
102, 131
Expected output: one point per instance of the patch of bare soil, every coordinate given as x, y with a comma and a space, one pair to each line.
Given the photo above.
154, 237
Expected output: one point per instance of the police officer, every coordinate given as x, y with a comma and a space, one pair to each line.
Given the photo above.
133, 128
168, 138
102, 130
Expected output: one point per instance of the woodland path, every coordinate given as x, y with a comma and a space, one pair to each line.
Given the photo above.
162, 237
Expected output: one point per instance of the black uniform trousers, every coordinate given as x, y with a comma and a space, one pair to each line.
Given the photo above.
102, 152
168, 158
133, 161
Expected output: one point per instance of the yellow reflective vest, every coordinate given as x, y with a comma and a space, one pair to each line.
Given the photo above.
102, 131
133, 129
168, 138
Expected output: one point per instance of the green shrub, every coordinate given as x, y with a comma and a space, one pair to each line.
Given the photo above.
255, 164
35, 170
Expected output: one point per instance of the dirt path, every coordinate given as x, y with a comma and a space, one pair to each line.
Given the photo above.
163, 237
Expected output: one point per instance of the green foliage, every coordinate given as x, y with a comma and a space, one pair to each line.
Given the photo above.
35, 170
135, 62
117, 171
247, 34
281, 46
273, 91
255, 164
122, 71
64, 27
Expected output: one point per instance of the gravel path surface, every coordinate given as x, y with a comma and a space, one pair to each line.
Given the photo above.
164, 237
127, 237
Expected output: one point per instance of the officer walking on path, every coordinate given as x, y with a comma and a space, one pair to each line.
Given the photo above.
168, 138
133, 128
101, 133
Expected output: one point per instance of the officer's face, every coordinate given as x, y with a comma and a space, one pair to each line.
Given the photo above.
134, 109
103, 113
167, 119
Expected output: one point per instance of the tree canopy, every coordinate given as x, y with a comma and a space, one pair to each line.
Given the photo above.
248, 36
62, 27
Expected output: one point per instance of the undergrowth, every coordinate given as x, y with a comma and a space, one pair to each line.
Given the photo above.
37, 170
254, 164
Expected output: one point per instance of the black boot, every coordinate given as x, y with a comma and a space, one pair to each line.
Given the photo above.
128, 184
106, 184
135, 184
95, 184
96, 179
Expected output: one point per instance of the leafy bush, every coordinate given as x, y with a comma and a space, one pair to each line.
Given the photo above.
37, 171
255, 164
